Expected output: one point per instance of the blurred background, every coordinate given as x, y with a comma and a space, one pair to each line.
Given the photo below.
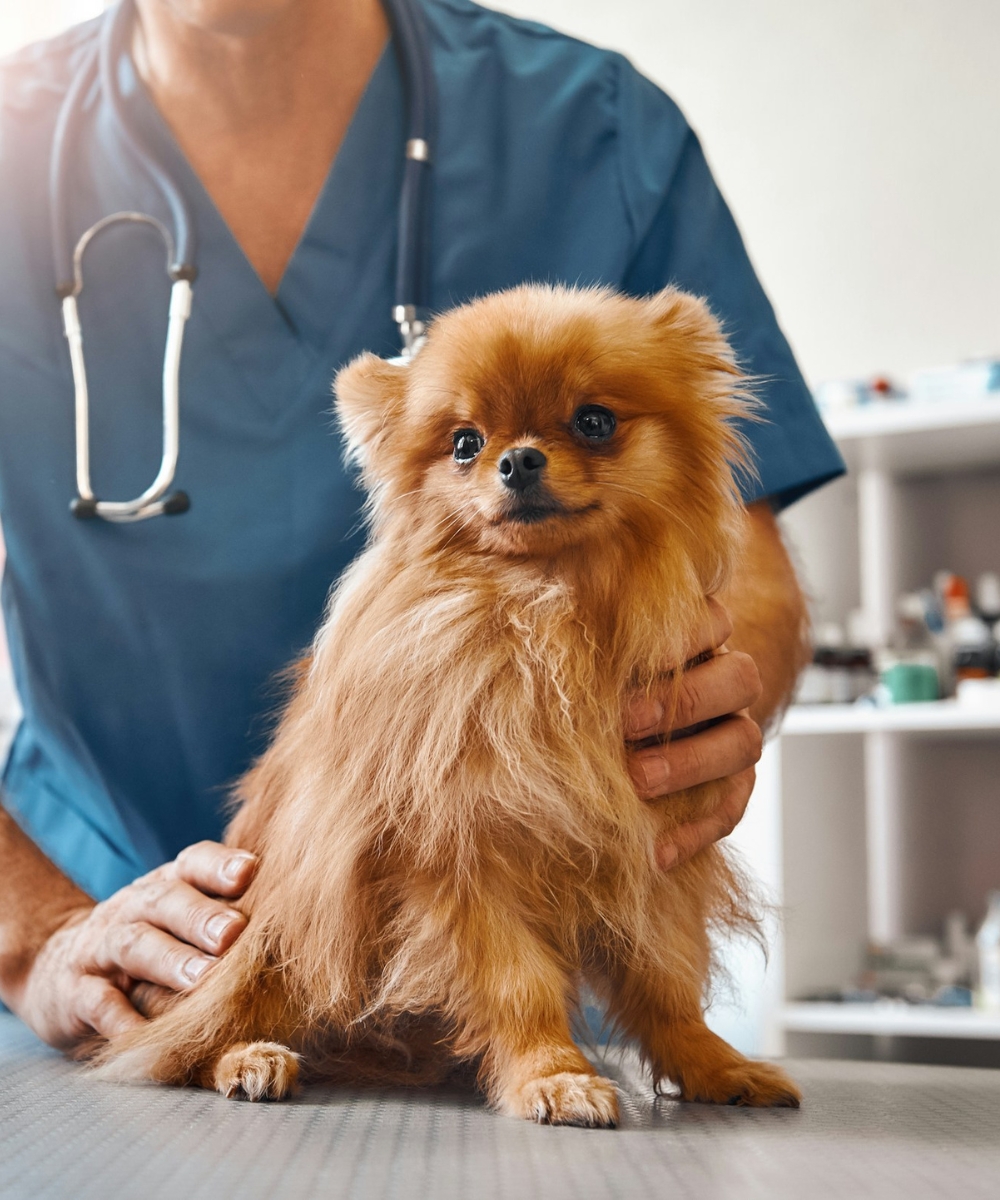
857, 143
24, 21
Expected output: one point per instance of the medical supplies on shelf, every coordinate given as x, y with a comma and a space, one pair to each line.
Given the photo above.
977, 379
988, 954
956, 970
839, 673
944, 645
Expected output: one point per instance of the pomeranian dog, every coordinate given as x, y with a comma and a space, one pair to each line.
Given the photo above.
449, 839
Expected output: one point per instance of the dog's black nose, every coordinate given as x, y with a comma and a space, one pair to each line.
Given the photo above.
521, 467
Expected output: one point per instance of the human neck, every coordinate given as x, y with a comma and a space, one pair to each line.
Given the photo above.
259, 102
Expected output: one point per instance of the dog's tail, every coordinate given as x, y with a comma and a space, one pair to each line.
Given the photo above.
182, 1043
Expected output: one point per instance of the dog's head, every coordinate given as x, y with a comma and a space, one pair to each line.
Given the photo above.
543, 418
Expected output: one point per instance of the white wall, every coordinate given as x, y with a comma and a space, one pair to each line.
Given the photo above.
857, 142
23, 21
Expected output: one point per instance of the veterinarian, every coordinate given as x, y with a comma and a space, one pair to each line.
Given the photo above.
146, 653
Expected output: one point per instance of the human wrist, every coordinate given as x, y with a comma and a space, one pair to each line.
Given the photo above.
22, 941
36, 900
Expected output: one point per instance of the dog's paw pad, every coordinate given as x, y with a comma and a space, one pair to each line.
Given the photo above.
257, 1071
751, 1084
567, 1099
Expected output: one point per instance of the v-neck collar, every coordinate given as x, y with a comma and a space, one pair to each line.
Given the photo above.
355, 213
278, 342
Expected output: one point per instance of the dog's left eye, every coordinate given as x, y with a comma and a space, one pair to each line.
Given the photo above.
467, 443
594, 422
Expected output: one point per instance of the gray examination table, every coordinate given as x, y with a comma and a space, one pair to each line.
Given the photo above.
865, 1130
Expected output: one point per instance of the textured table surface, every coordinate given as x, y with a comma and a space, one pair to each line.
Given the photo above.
865, 1130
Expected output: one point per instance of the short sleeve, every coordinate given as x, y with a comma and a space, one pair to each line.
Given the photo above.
686, 236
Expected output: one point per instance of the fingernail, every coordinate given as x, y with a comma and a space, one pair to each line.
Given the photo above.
217, 927
666, 856
236, 864
644, 714
654, 773
194, 968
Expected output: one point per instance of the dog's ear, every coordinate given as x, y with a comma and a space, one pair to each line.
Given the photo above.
370, 397
693, 352
688, 320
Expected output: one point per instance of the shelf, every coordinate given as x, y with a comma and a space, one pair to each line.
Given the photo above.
937, 717
905, 1020
919, 438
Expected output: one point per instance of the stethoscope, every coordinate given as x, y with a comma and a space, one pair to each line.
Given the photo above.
410, 39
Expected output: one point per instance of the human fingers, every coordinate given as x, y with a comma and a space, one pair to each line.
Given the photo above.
213, 868
645, 711
144, 952
106, 1010
723, 749
185, 912
686, 840
715, 629
721, 685
148, 998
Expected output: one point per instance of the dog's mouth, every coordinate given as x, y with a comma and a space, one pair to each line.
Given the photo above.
535, 511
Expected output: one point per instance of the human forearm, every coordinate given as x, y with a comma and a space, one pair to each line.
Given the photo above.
36, 898
768, 611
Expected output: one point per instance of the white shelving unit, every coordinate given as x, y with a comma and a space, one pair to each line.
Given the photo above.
871, 806
890, 1020
902, 438
941, 717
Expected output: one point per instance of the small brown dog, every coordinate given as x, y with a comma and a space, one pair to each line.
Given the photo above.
449, 839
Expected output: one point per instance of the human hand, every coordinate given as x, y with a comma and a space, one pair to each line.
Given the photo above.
166, 929
711, 737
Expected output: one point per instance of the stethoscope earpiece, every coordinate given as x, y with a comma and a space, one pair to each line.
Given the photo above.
177, 502
83, 509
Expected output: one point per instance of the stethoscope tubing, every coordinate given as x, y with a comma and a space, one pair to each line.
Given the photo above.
179, 311
412, 264
411, 280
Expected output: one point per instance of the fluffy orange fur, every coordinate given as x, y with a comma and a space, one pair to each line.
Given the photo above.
449, 839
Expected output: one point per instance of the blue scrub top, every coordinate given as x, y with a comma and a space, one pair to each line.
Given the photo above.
146, 655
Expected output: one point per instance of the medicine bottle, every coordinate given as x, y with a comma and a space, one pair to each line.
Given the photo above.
988, 953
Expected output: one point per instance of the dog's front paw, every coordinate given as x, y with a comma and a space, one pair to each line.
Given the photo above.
751, 1084
565, 1099
256, 1071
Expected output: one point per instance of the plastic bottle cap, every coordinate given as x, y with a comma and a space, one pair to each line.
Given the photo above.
988, 593
829, 634
858, 628
983, 695
910, 606
971, 631
956, 598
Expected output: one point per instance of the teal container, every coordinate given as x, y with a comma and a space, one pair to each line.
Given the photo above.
911, 683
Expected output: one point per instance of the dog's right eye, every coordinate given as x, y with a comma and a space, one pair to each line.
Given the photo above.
467, 443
